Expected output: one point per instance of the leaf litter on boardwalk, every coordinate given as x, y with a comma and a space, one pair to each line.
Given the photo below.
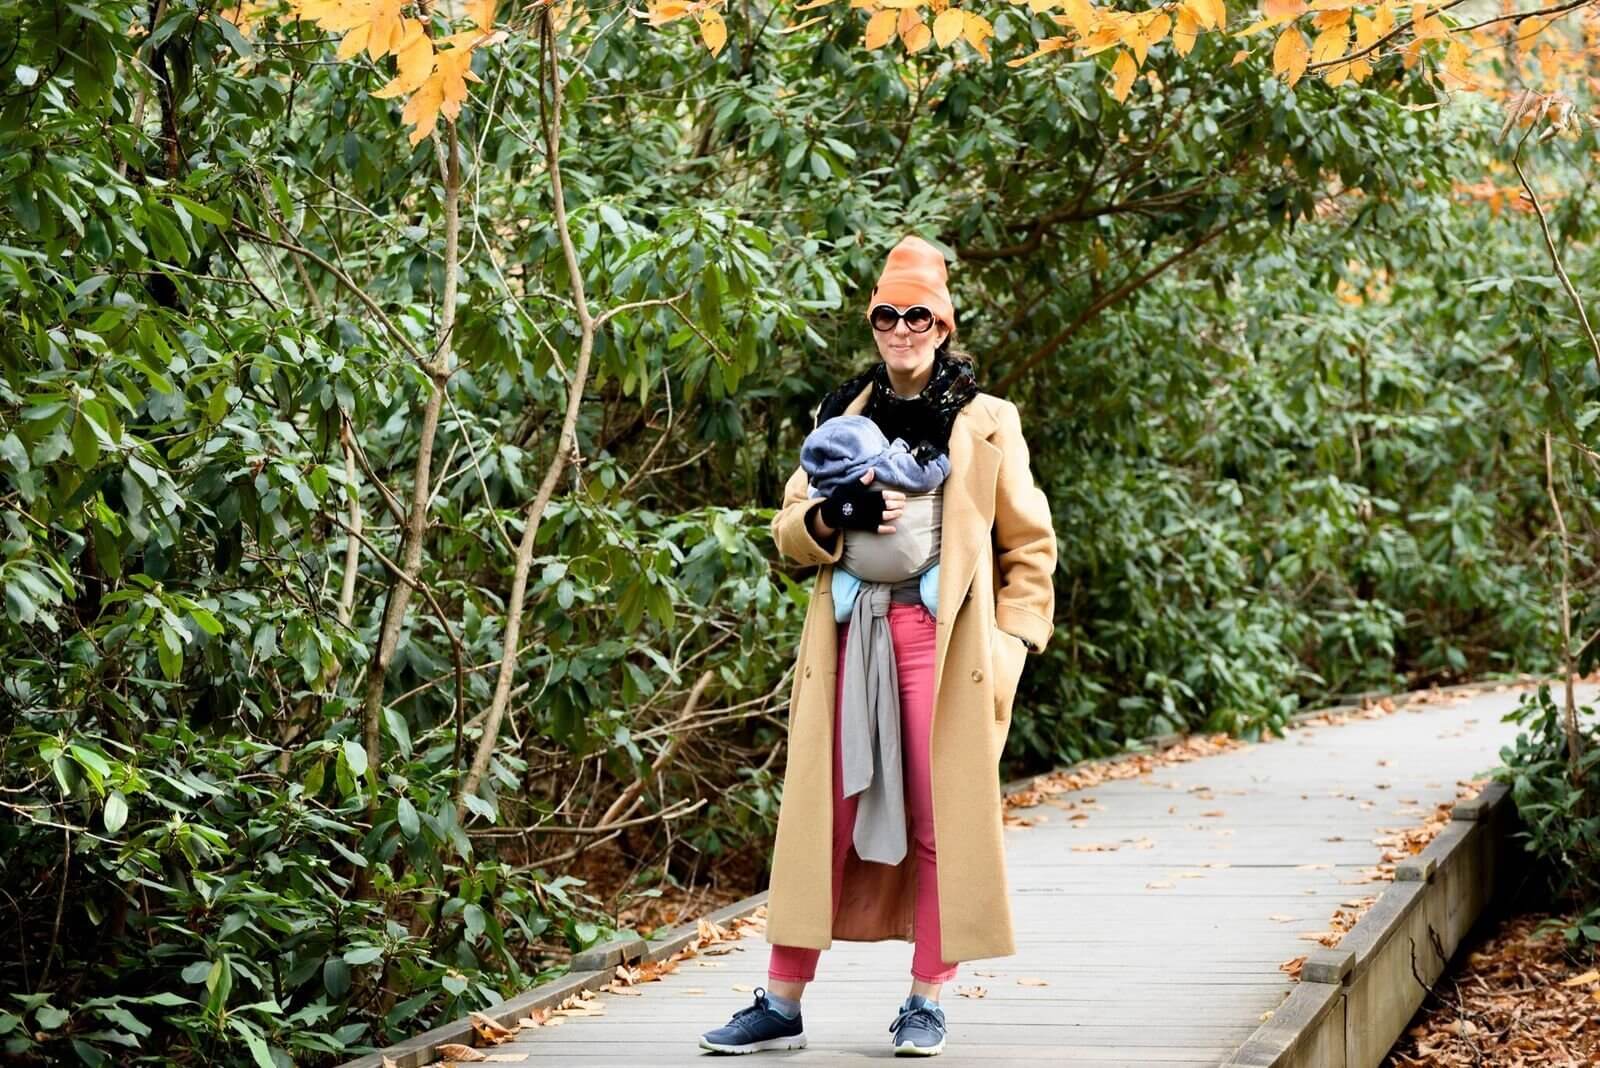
710, 939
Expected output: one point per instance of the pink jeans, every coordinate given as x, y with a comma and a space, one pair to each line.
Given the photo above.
915, 634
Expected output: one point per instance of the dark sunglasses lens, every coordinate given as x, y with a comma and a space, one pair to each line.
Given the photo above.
884, 317
919, 318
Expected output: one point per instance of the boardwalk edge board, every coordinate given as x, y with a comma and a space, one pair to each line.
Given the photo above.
598, 968
1354, 1001
594, 967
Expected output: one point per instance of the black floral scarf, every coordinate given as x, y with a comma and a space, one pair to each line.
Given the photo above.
924, 421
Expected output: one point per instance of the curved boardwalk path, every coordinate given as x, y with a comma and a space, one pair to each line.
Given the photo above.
1164, 951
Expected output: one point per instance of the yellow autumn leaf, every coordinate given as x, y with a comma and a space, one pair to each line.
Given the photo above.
374, 25
661, 12
1531, 27
1330, 44
1123, 71
422, 110
1188, 28
1213, 14
413, 62
880, 29
1457, 60
1284, 9
481, 12
900, 5
1411, 53
1425, 26
442, 94
977, 30
1290, 54
1239, 57
1130, 32
914, 33
465, 39
454, 70
352, 43
1081, 16
713, 31
1157, 25
1046, 46
1039, 7
1109, 35
1327, 20
1366, 31
948, 26
1383, 18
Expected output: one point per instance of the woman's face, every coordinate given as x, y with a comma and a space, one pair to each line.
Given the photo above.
906, 352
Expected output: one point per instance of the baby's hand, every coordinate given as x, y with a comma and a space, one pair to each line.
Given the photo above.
894, 502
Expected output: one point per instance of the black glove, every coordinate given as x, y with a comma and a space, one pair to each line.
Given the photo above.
853, 506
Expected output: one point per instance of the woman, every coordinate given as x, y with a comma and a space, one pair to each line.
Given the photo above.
956, 677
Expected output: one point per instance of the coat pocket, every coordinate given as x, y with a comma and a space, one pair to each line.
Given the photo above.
1007, 655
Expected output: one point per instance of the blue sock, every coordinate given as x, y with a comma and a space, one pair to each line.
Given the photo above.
788, 1008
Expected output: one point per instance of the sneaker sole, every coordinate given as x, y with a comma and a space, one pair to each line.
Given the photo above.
908, 1050
790, 1042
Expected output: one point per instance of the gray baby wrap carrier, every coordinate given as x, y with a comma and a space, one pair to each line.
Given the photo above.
905, 554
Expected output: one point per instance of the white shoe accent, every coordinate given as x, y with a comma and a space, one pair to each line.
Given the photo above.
908, 1048
787, 1042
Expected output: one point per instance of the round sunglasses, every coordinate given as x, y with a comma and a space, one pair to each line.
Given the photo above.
918, 317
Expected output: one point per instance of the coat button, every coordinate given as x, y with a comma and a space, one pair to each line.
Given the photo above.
808, 671
977, 674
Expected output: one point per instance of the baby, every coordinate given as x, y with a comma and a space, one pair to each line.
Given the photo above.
839, 451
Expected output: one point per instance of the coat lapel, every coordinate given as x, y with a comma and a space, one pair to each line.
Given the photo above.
968, 514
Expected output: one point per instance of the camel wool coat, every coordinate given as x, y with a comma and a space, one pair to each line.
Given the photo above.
997, 562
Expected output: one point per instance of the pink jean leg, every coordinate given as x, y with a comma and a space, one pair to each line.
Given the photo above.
799, 963
915, 635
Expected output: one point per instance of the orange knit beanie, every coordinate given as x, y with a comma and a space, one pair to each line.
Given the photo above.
915, 274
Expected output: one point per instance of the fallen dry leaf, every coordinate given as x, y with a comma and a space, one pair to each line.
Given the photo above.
454, 1051
1029, 980
490, 1031
971, 991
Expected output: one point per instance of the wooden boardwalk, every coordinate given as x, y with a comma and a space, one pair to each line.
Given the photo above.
1164, 951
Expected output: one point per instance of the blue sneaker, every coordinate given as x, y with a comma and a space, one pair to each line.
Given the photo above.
919, 1029
754, 1028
